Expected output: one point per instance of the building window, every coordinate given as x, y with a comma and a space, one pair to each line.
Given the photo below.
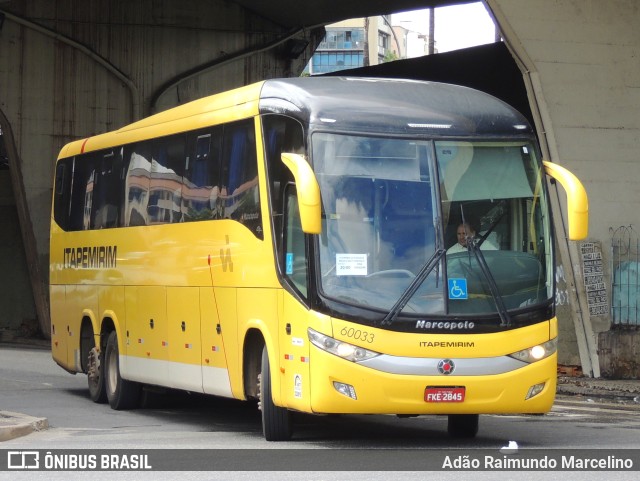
324, 62
340, 39
384, 43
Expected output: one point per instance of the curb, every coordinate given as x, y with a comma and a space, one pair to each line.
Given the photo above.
619, 390
573, 390
14, 425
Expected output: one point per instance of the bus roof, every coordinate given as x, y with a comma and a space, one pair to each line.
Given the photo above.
392, 106
385, 106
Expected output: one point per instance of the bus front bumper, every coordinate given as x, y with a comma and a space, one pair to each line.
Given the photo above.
340, 386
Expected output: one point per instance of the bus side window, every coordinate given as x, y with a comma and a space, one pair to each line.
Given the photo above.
81, 192
240, 176
201, 182
106, 192
165, 186
281, 134
153, 181
137, 180
295, 258
62, 193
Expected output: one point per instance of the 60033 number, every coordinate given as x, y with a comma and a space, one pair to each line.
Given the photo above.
358, 334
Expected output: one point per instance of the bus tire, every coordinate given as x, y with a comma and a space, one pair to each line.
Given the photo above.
95, 376
276, 420
122, 394
463, 425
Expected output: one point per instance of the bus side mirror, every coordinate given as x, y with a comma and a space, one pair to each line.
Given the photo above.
308, 192
577, 202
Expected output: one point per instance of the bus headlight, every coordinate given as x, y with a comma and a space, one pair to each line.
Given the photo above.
536, 353
340, 348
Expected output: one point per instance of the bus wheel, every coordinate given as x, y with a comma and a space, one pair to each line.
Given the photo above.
463, 425
122, 394
95, 377
276, 421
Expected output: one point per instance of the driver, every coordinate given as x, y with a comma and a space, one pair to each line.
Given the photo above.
465, 232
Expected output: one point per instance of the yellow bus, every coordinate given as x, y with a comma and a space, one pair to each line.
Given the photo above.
289, 243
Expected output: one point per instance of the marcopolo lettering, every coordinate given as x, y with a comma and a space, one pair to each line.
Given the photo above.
90, 257
447, 325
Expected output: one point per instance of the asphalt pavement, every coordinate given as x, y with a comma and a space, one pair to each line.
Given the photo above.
14, 425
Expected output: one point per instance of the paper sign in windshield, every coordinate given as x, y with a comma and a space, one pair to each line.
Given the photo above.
351, 264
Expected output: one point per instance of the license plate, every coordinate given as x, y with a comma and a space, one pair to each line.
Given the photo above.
444, 394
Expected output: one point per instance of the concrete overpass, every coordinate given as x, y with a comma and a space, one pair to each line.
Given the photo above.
69, 69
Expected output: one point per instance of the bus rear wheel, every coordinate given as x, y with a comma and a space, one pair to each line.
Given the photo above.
95, 376
122, 394
276, 420
463, 425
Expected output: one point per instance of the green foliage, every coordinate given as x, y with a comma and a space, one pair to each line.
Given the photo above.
390, 56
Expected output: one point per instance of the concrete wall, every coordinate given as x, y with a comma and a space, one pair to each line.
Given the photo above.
15, 295
70, 69
581, 59
620, 354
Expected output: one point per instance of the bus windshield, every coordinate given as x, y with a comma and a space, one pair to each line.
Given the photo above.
378, 220
492, 201
381, 228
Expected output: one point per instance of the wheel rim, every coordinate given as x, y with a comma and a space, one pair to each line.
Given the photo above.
93, 370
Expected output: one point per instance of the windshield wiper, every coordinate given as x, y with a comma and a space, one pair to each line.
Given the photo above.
413, 287
505, 319
495, 215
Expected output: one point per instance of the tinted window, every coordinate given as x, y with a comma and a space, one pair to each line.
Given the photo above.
281, 134
240, 176
82, 192
137, 184
62, 192
295, 264
165, 182
201, 188
207, 174
107, 189
153, 182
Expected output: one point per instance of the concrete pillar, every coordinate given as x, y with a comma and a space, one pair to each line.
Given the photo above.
580, 62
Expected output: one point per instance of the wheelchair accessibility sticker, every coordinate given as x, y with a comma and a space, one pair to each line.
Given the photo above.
289, 263
458, 289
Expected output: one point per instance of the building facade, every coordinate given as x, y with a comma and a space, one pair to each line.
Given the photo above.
360, 42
